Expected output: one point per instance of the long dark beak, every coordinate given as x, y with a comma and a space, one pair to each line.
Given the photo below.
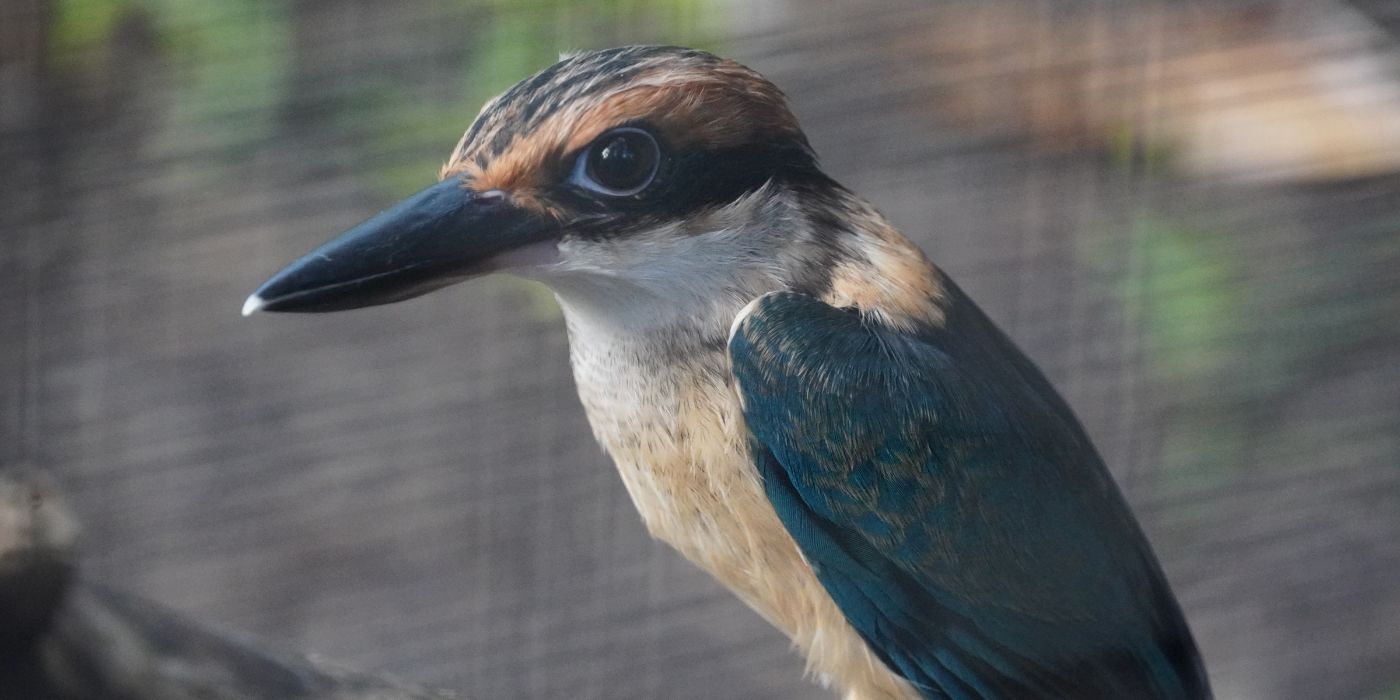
440, 236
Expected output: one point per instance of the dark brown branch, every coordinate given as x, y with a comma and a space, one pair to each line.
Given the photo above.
62, 638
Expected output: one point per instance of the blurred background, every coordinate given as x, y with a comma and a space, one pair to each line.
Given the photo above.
1188, 213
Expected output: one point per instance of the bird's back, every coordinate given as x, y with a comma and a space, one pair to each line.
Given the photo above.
954, 507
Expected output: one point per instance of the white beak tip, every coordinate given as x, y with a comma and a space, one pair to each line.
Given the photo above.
254, 304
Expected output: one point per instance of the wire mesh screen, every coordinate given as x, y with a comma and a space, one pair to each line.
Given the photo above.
1186, 214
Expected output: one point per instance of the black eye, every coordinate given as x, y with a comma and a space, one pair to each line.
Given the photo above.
619, 163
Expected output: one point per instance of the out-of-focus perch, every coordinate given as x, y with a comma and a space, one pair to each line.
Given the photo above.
62, 638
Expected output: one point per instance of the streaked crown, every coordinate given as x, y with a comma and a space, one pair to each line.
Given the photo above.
721, 128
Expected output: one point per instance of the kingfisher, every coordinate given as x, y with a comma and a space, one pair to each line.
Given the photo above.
796, 399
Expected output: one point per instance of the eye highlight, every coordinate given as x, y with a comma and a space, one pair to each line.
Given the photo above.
619, 163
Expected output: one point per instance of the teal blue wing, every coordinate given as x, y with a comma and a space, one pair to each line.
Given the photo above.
953, 507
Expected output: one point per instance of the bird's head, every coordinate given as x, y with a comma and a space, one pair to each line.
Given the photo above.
638, 183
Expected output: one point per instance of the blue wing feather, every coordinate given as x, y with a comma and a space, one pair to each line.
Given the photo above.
954, 508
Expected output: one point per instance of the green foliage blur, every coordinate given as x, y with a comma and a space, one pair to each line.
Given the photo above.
233, 60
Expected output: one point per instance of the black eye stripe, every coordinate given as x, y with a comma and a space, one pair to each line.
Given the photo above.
706, 178
691, 182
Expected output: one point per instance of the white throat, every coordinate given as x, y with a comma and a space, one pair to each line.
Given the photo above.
691, 276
